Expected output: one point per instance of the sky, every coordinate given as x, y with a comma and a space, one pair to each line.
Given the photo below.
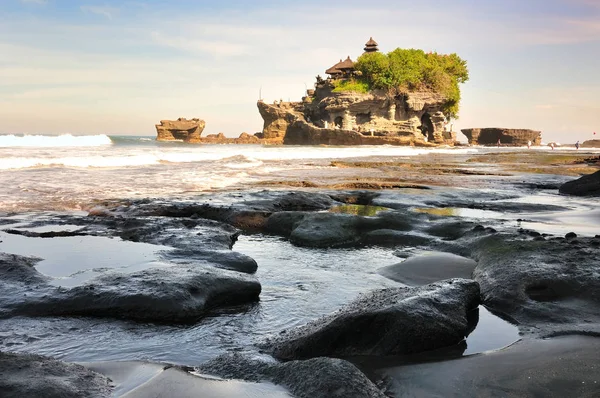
118, 67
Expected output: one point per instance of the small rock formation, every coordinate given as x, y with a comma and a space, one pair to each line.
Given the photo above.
29, 375
588, 185
507, 137
315, 378
180, 129
591, 144
395, 321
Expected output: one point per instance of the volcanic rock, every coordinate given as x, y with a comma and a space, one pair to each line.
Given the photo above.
28, 375
313, 378
392, 321
540, 284
588, 185
179, 294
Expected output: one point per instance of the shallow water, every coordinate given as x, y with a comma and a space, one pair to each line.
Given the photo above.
73, 260
299, 285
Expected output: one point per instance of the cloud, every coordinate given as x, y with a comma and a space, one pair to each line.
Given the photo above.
208, 45
108, 12
40, 2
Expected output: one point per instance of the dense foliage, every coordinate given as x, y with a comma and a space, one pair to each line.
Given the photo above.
403, 71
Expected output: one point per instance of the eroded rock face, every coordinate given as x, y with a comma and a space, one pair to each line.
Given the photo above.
180, 129
394, 321
349, 118
28, 375
507, 137
588, 185
313, 378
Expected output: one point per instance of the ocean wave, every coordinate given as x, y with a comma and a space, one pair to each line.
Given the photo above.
65, 140
84, 162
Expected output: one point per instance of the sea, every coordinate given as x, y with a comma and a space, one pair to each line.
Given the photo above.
42, 175
68, 172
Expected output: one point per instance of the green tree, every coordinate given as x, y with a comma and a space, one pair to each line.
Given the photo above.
404, 70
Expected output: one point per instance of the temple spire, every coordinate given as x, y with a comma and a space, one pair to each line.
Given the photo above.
371, 46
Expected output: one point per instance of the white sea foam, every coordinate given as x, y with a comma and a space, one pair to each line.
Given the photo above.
65, 140
88, 161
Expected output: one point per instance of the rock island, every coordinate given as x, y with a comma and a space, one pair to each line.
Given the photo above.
405, 97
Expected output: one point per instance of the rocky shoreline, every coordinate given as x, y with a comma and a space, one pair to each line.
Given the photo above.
379, 344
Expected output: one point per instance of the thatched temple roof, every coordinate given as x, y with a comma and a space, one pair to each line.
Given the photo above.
371, 46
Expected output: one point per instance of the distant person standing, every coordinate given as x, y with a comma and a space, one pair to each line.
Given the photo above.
498, 142
577, 145
528, 144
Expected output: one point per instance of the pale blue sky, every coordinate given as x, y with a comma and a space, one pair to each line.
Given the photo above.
118, 67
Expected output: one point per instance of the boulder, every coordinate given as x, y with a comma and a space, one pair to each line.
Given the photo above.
430, 267
177, 294
28, 375
507, 137
338, 229
542, 284
180, 129
313, 378
588, 185
394, 321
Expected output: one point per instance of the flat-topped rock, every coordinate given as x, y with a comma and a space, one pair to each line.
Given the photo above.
507, 137
180, 129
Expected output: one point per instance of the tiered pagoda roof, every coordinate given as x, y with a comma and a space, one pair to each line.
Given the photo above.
371, 46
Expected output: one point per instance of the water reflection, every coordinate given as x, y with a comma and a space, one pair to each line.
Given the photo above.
358, 210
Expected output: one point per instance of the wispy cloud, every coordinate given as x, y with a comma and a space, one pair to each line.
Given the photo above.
41, 2
208, 45
105, 11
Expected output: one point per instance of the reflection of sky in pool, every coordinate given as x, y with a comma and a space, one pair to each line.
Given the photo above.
75, 259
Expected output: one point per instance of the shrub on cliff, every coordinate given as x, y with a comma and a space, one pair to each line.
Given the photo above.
356, 85
405, 70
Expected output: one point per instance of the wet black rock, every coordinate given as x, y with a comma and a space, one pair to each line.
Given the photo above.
449, 230
313, 378
385, 322
538, 283
334, 229
284, 222
393, 238
28, 375
180, 293
571, 235
225, 259
428, 268
588, 185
